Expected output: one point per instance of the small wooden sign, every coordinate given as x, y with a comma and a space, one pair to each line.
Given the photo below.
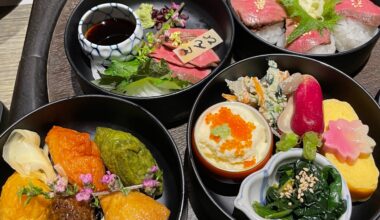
188, 51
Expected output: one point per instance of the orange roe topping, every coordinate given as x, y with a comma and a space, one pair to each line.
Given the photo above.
249, 163
241, 131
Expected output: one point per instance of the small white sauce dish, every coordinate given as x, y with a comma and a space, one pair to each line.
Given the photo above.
254, 187
102, 54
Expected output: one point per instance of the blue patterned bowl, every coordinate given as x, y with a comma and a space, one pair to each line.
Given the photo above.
254, 187
102, 54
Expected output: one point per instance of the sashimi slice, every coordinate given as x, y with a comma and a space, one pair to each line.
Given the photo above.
363, 10
258, 13
207, 59
347, 140
192, 75
308, 40
169, 56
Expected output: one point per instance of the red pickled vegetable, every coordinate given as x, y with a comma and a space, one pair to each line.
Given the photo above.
308, 112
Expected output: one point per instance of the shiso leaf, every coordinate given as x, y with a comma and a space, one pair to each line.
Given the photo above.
287, 141
222, 131
311, 141
307, 22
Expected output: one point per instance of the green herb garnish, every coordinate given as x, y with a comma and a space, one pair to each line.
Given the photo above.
307, 23
223, 131
287, 142
311, 142
32, 191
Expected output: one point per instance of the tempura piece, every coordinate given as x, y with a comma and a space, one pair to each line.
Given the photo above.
14, 208
76, 154
134, 206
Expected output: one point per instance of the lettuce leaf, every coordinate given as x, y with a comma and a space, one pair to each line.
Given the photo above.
308, 23
150, 86
124, 69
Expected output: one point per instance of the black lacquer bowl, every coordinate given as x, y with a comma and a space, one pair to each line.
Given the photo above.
350, 62
173, 108
85, 113
218, 196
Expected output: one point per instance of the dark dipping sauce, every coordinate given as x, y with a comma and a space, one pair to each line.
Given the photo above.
110, 31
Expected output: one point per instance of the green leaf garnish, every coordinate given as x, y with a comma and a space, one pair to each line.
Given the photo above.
287, 142
124, 69
30, 192
223, 131
307, 23
311, 141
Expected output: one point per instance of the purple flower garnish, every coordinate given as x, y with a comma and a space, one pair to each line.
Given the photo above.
60, 185
175, 6
84, 194
86, 178
108, 178
154, 169
149, 183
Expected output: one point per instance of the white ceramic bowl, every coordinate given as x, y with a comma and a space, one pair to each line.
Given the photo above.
254, 187
102, 54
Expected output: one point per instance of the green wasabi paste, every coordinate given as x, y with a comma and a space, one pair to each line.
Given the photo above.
145, 14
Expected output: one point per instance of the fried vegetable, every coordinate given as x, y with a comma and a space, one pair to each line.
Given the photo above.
23, 153
133, 206
76, 154
13, 207
124, 155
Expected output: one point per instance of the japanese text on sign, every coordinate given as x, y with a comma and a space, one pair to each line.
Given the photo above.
188, 51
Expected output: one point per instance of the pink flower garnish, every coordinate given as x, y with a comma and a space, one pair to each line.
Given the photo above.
149, 183
154, 169
348, 140
175, 6
84, 194
86, 178
108, 178
60, 185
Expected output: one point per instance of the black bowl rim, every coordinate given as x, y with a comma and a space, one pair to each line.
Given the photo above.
195, 86
152, 117
316, 56
192, 120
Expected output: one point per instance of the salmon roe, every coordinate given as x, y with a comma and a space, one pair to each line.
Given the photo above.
241, 131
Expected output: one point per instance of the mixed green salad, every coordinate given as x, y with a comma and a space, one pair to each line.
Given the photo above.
304, 191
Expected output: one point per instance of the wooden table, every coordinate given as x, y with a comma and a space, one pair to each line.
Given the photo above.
13, 24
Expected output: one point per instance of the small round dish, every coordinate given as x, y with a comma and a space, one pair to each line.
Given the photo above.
238, 160
102, 54
254, 187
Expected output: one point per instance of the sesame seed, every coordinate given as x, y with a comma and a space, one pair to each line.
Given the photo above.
289, 203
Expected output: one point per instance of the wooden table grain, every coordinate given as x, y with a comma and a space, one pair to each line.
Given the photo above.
13, 24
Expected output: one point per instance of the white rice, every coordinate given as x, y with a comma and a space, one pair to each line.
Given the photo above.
324, 49
350, 33
273, 34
